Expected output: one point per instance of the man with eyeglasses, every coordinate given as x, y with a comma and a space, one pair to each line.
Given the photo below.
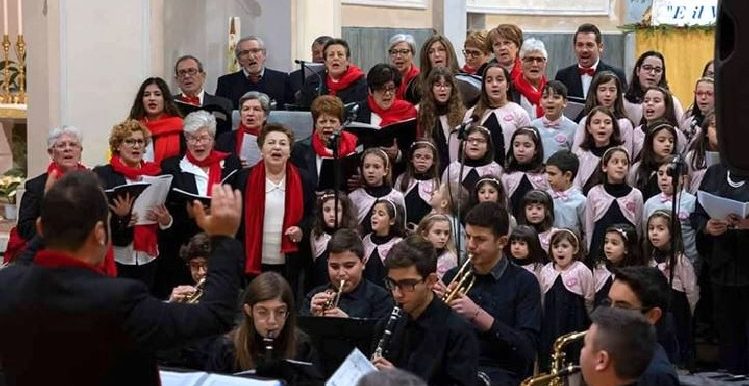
588, 45
646, 290
430, 340
504, 303
254, 76
190, 76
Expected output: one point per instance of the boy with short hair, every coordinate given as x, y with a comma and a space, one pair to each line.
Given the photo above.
569, 201
557, 131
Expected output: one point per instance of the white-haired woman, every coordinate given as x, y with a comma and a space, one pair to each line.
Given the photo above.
401, 52
135, 247
196, 172
64, 148
530, 84
254, 107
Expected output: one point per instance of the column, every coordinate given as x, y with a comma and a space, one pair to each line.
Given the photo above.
450, 20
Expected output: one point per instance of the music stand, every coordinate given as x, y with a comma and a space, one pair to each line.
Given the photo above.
334, 338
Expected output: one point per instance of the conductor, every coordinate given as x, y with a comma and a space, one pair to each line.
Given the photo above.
63, 322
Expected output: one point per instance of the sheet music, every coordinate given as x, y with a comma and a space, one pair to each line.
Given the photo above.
720, 207
200, 378
250, 151
354, 367
152, 196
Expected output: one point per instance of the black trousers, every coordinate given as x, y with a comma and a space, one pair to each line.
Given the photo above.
145, 273
732, 324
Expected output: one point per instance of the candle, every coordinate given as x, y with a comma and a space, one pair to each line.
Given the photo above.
5, 17
20, 19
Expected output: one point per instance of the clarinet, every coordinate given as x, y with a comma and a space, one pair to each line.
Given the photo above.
384, 343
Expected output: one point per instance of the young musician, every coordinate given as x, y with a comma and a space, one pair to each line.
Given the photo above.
618, 347
429, 340
504, 304
359, 297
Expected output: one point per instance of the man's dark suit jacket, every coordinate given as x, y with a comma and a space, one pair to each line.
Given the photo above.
31, 206
73, 326
273, 83
225, 107
570, 76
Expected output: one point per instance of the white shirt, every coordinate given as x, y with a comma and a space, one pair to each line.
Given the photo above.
200, 96
201, 177
275, 196
586, 79
148, 153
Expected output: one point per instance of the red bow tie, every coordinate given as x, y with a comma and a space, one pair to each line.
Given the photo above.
254, 78
193, 100
586, 71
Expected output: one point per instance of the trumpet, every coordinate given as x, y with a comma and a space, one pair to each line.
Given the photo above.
333, 301
465, 280
199, 290
559, 369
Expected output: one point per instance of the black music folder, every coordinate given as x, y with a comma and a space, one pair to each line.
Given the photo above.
372, 136
121, 191
334, 338
349, 167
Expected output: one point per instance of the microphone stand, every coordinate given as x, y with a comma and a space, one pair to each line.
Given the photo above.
333, 142
305, 83
462, 160
675, 171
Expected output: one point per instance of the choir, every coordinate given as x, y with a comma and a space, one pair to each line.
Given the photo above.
546, 207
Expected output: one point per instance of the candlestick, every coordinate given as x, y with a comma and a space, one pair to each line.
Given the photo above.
20, 19
6, 97
21, 54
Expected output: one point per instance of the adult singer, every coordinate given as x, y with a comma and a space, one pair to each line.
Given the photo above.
63, 322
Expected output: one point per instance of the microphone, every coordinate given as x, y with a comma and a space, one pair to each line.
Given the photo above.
302, 62
464, 126
354, 113
675, 166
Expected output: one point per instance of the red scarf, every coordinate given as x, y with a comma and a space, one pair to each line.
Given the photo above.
54, 259
346, 145
399, 111
145, 237
517, 69
469, 70
54, 169
529, 92
254, 207
165, 132
352, 74
213, 162
239, 136
412, 72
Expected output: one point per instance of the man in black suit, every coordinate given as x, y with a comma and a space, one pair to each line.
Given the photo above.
63, 322
254, 76
190, 76
588, 45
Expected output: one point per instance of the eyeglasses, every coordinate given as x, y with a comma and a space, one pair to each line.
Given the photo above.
653, 69
624, 306
63, 145
477, 141
387, 90
447, 86
402, 51
264, 314
189, 71
405, 285
194, 265
700, 94
132, 142
531, 59
203, 139
473, 53
253, 51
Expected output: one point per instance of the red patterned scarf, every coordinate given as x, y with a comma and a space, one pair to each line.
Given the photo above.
213, 163
165, 132
352, 74
145, 237
253, 219
399, 111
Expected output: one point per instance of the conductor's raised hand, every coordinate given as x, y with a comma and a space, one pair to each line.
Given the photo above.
226, 212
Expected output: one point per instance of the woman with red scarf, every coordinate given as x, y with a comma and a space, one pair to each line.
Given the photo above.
477, 53
532, 78
402, 50
313, 155
155, 109
340, 78
195, 173
254, 107
278, 203
135, 247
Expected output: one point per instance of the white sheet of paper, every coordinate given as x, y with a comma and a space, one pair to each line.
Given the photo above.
712, 158
354, 367
200, 378
250, 151
720, 207
152, 196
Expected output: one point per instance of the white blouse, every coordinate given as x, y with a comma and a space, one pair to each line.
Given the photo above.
275, 195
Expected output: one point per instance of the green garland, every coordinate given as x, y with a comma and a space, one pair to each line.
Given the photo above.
665, 28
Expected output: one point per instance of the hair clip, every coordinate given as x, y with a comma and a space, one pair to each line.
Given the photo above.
528, 129
326, 196
661, 212
574, 236
489, 179
392, 204
482, 128
614, 149
622, 232
423, 142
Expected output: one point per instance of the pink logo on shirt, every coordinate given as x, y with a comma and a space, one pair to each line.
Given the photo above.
683, 215
561, 138
571, 282
508, 118
630, 205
